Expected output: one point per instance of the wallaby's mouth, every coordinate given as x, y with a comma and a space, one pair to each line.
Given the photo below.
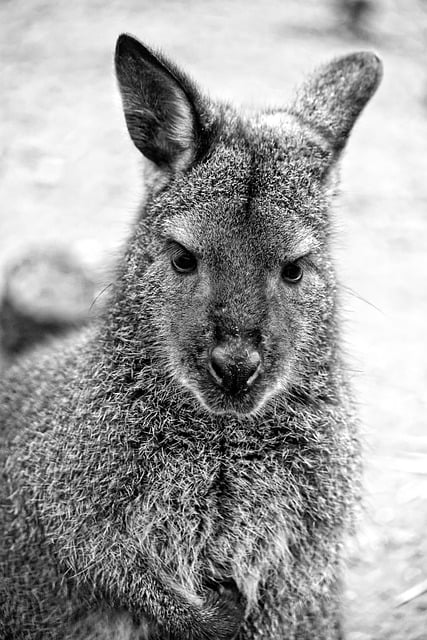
246, 401
236, 406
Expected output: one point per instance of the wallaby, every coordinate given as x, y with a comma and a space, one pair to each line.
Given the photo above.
188, 467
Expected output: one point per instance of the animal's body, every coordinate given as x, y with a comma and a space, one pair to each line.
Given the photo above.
188, 468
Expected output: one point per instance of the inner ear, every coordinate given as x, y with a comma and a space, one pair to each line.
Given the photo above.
160, 114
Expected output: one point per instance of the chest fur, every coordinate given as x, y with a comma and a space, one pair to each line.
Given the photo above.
220, 512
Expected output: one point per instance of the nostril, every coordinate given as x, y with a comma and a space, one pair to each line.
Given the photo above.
218, 363
253, 367
217, 369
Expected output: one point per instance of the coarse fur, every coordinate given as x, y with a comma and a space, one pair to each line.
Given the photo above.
146, 495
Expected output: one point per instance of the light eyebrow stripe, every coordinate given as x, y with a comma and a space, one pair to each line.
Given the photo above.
179, 231
302, 247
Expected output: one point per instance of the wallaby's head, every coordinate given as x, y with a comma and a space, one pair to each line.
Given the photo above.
228, 273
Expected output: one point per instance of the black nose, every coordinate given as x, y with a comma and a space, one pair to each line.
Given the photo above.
232, 369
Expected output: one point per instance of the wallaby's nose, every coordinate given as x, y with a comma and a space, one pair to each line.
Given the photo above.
234, 370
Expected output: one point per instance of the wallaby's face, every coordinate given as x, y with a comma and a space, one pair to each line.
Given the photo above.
239, 287
243, 281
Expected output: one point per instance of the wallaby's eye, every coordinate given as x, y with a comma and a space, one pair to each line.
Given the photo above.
292, 272
183, 261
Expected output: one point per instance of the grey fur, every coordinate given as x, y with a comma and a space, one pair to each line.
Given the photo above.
140, 500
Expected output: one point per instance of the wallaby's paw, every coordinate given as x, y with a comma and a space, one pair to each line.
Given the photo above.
226, 612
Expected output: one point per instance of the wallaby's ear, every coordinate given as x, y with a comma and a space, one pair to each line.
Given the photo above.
160, 113
331, 100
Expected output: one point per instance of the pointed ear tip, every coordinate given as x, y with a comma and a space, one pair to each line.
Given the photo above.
370, 59
127, 43
123, 40
365, 61
121, 44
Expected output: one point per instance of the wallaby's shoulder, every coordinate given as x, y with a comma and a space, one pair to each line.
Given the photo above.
45, 374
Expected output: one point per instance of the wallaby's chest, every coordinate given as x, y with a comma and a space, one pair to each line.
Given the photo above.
218, 477
205, 508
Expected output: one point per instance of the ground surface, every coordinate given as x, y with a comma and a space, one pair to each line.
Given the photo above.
68, 174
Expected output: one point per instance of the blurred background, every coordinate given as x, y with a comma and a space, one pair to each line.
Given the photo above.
70, 180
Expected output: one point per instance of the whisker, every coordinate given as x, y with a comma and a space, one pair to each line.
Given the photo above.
356, 295
99, 294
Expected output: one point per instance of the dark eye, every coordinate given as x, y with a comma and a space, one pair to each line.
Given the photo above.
292, 272
183, 261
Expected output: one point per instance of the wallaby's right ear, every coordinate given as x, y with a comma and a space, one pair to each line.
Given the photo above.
160, 111
334, 96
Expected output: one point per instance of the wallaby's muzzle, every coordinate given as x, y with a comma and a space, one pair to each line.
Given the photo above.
234, 366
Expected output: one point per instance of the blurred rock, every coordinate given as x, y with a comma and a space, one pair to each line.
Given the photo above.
47, 291
355, 16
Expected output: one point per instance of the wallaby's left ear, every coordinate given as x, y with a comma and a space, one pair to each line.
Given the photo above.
331, 100
159, 103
